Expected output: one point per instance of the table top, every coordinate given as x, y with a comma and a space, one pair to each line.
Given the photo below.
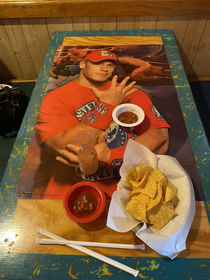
22, 258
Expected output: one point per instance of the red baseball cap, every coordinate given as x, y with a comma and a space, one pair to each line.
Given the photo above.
98, 56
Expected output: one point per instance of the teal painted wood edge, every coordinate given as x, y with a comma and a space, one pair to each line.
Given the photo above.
42, 267
50, 263
195, 129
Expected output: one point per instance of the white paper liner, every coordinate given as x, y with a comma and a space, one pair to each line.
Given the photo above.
171, 239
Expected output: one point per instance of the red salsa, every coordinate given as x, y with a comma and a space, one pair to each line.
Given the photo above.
128, 117
85, 203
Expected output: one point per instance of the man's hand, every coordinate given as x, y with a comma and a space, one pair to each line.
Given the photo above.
103, 151
116, 93
69, 156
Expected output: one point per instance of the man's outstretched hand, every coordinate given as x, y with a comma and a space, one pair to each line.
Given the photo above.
116, 92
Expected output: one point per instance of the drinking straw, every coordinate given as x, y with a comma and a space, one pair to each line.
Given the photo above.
92, 253
91, 244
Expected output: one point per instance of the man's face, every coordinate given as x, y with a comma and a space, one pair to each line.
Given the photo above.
97, 72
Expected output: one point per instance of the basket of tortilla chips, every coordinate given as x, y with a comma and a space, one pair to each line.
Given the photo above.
153, 198
156, 192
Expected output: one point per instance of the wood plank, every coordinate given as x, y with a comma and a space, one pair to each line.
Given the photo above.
81, 23
147, 22
37, 38
136, 22
192, 38
178, 24
20, 48
202, 58
118, 40
49, 215
59, 24
9, 65
103, 23
81, 8
127, 22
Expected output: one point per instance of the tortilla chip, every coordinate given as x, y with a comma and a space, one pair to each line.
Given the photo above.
157, 199
135, 192
137, 209
175, 201
140, 171
169, 204
142, 183
161, 217
137, 171
129, 177
170, 192
158, 175
151, 187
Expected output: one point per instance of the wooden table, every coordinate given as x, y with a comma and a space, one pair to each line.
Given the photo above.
22, 258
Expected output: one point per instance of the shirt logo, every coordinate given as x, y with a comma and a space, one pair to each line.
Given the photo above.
116, 136
107, 53
157, 114
84, 109
100, 175
116, 163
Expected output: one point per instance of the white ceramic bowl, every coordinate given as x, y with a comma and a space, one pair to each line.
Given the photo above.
128, 107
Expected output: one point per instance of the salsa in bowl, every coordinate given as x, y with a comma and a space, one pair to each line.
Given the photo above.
128, 115
84, 202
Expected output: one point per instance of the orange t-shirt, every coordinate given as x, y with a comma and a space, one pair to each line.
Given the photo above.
67, 105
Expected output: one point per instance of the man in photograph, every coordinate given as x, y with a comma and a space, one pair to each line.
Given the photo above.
86, 104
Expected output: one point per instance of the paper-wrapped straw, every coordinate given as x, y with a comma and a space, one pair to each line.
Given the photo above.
90, 244
92, 253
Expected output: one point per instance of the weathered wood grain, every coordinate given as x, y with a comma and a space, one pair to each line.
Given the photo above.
83, 8
177, 23
193, 35
20, 48
202, 58
59, 24
9, 66
49, 215
103, 23
37, 38
113, 40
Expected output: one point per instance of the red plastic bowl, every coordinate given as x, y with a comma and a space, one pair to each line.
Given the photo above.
74, 191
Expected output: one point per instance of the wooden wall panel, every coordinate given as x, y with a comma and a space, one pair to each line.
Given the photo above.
81, 23
20, 48
37, 38
201, 63
103, 23
176, 23
192, 38
147, 22
24, 42
127, 22
9, 66
136, 22
59, 24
